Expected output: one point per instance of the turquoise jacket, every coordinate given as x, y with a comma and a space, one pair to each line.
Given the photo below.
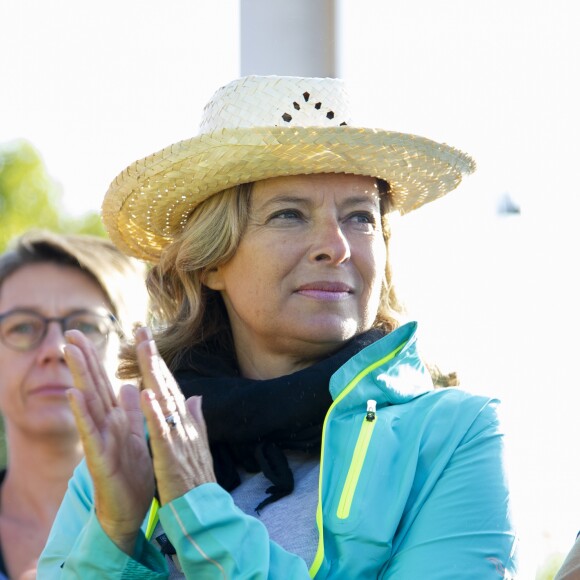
414, 490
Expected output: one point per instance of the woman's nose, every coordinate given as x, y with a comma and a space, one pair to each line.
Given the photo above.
330, 243
51, 346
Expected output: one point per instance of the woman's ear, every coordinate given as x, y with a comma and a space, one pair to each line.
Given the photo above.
212, 278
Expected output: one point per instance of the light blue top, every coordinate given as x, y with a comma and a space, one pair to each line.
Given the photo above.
416, 490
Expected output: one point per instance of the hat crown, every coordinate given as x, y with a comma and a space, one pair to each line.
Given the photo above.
275, 101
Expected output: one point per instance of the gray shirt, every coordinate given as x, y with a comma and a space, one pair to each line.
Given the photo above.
290, 521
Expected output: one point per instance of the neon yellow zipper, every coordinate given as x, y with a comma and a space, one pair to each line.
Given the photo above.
319, 558
358, 458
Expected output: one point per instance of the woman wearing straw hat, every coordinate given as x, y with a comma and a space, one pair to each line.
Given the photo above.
50, 283
292, 429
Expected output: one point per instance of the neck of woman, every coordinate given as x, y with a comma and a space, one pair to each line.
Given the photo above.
262, 364
37, 475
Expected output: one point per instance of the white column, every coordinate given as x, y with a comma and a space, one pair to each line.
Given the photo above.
288, 37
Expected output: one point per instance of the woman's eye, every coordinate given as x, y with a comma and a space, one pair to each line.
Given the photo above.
286, 214
87, 328
363, 218
23, 328
87, 324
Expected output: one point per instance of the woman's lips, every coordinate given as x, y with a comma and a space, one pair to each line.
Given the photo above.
331, 291
50, 390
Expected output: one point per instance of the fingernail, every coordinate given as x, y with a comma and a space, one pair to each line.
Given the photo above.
198, 400
144, 333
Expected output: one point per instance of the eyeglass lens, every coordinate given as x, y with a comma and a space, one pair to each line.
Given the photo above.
24, 330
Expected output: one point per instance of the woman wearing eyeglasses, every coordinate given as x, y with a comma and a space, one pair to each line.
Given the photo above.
50, 283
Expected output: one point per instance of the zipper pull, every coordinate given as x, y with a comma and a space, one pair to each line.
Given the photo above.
371, 410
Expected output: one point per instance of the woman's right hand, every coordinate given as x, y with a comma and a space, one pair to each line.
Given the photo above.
113, 436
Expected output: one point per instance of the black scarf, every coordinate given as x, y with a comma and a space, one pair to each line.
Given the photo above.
250, 422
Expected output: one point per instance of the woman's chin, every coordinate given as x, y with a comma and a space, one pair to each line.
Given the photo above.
331, 332
53, 423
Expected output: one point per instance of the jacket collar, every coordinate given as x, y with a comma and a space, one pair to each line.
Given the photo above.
390, 370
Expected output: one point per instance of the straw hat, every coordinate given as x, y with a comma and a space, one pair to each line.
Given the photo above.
260, 127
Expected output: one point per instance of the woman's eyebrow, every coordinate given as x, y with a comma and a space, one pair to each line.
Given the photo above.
282, 199
306, 200
360, 200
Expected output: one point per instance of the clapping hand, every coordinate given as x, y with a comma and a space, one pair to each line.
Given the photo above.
113, 436
181, 455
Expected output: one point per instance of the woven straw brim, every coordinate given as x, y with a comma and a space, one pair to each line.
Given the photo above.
149, 203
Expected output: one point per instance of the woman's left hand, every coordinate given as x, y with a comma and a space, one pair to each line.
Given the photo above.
177, 432
113, 436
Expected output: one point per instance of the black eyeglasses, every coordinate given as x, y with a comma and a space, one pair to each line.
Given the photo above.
25, 329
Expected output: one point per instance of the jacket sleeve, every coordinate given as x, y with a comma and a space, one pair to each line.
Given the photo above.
215, 539
464, 527
77, 546
212, 538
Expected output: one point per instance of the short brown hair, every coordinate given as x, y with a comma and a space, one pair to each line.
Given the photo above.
121, 278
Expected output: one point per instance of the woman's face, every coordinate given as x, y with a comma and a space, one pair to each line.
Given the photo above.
308, 272
33, 383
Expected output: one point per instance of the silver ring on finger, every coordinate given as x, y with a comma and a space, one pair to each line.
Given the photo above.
171, 421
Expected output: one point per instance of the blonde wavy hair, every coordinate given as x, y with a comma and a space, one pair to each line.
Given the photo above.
185, 311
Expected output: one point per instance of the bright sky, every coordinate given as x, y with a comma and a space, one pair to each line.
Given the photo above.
97, 88
496, 297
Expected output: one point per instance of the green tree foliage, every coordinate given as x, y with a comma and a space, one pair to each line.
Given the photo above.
30, 198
